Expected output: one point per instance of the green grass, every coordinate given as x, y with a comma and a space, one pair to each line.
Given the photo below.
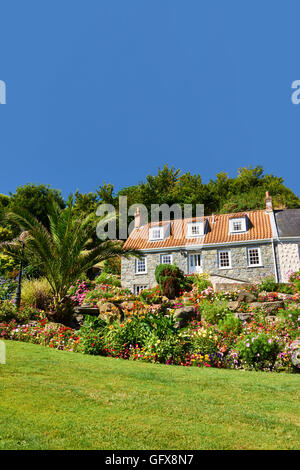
60, 400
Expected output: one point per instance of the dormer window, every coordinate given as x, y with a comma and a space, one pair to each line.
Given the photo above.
195, 229
159, 232
156, 233
237, 225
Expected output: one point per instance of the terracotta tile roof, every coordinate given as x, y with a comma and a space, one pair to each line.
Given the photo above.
217, 231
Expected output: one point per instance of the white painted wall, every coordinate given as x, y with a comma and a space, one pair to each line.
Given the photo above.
289, 259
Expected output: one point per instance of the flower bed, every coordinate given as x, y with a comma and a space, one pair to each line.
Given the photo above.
148, 330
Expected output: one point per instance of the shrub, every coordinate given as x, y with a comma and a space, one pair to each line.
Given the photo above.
170, 279
295, 280
204, 341
112, 266
79, 291
150, 296
213, 312
91, 336
37, 292
230, 325
285, 288
291, 314
7, 311
201, 281
109, 279
258, 350
269, 285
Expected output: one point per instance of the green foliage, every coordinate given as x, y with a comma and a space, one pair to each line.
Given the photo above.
268, 284
7, 264
205, 341
258, 350
285, 288
61, 254
171, 280
221, 195
295, 280
109, 279
150, 296
37, 293
91, 335
37, 200
201, 281
291, 315
213, 312
7, 311
112, 266
230, 325
7, 288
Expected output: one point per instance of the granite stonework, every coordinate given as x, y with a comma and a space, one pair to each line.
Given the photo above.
238, 272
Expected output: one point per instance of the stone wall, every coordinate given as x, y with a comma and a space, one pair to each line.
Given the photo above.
239, 271
288, 256
239, 262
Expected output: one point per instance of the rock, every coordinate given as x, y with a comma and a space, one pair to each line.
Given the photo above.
86, 310
127, 305
183, 315
233, 306
247, 297
110, 312
243, 316
229, 286
268, 307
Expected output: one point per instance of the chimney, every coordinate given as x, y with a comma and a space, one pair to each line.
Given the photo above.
268, 202
137, 218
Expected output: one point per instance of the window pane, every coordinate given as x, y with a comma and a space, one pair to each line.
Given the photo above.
237, 226
224, 259
141, 265
166, 259
253, 256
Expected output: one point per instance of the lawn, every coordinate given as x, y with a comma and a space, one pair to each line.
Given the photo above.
52, 399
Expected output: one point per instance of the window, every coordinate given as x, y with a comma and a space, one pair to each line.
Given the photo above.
140, 266
224, 259
195, 229
138, 289
237, 225
156, 233
195, 263
166, 259
254, 257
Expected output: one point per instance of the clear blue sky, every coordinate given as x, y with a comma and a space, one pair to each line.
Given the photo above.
109, 90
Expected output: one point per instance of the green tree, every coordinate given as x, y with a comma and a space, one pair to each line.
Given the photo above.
36, 200
62, 253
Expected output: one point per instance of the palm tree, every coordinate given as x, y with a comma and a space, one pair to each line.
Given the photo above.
65, 251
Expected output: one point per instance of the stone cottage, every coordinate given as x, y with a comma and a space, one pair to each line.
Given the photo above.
232, 248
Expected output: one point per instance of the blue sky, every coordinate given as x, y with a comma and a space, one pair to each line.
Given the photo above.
109, 90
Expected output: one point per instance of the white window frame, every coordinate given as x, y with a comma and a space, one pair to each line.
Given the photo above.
242, 221
193, 255
137, 288
229, 259
199, 225
259, 256
137, 264
161, 233
162, 257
